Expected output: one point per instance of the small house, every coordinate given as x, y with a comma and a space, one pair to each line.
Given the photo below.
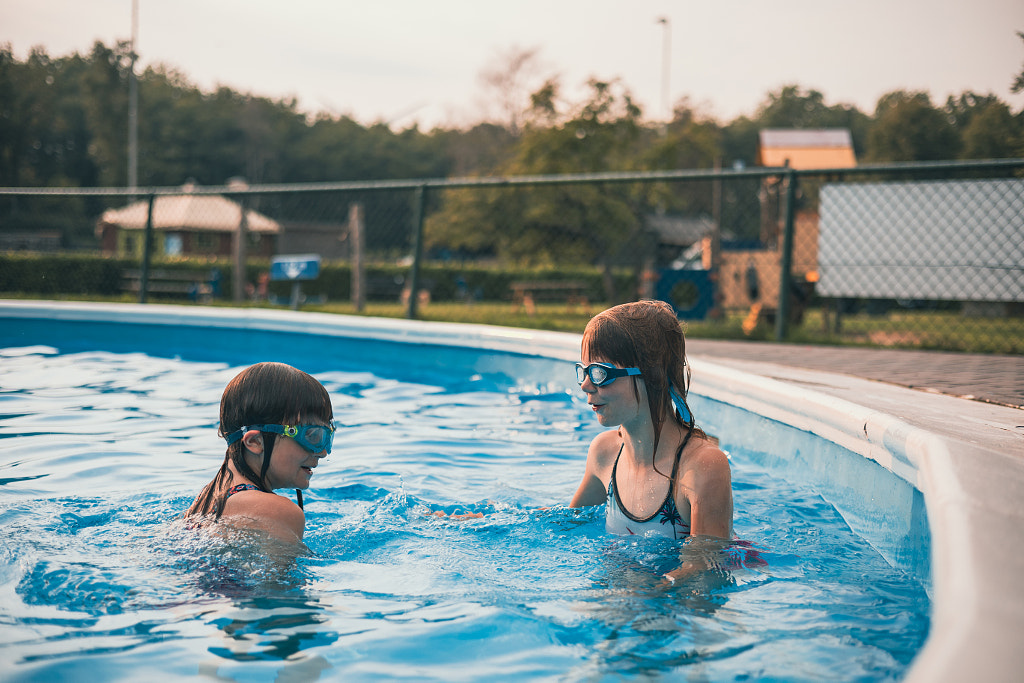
810, 149
188, 224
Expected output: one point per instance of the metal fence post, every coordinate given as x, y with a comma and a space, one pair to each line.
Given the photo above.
147, 245
417, 249
786, 260
356, 235
240, 256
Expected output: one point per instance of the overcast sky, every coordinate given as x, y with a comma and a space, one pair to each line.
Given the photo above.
406, 61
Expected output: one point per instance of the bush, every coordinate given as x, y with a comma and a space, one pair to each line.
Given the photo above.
96, 275
60, 274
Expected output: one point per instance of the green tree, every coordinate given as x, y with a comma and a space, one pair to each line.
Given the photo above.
690, 141
555, 225
34, 143
480, 150
739, 141
987, 127
20, 98
792, 107
105, 105
907, 127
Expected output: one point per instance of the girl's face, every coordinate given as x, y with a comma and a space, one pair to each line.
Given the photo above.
291, 465
614, 403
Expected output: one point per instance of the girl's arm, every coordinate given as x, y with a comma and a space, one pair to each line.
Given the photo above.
707, 486
593, 489
700, 555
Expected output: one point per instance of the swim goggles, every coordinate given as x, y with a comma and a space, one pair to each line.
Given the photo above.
314, 438
602, 373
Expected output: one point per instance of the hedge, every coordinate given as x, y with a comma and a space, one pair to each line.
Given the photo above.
55, 274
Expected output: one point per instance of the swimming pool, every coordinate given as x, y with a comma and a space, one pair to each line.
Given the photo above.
107, 426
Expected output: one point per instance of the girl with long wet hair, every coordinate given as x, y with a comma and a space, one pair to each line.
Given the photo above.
658, 472
278, 423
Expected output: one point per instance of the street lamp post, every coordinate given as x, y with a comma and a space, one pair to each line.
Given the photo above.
133, 106
666, 60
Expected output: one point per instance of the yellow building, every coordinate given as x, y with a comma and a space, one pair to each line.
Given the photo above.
810, 149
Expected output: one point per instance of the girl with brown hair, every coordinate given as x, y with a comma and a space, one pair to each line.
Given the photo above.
658, 472
269, 409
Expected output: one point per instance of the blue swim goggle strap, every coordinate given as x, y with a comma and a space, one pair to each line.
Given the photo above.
314, 438
602, 373
680, 404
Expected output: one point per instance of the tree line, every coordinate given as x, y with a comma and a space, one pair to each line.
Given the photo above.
64, 122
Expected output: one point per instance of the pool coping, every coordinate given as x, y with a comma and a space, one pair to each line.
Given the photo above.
971, 483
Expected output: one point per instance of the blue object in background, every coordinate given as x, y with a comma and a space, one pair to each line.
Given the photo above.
298, 267
690, 292
295, 268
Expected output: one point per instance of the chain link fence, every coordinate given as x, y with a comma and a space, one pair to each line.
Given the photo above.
912, 255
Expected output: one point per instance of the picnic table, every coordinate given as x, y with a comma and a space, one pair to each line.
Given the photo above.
198, 285
526, 294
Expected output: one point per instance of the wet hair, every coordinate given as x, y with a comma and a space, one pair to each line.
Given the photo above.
265, 393
646, 335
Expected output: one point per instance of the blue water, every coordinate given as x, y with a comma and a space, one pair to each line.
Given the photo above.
101, 450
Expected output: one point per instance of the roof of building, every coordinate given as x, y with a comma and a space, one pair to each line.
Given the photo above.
806, 148
194, 212
679, 230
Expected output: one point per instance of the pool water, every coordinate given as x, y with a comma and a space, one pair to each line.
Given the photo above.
102, 450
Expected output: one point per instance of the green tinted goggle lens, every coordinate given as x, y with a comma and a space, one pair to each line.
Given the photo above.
314, 438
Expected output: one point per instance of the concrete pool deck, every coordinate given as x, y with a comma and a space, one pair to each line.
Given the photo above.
996, 379
952, 416
904, 409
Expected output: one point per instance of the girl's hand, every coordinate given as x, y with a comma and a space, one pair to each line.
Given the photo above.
458, 517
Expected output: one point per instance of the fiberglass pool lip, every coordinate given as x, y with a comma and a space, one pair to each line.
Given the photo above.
970, 483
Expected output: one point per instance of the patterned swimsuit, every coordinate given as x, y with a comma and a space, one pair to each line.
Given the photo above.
240, 487
665, 521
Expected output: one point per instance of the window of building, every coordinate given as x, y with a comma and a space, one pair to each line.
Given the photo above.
173, 244
205, 242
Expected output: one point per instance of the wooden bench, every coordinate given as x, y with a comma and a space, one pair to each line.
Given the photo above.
391, 288
526, 294
196, 285
384, 288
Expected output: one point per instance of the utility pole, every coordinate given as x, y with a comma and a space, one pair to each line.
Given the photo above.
240, 279
133, 106
666, 62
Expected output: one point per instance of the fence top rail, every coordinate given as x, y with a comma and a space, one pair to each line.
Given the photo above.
916, 167
525, 180
410, 184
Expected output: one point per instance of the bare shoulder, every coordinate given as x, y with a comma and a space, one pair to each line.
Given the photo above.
600, 458
705, 460
269, 512
603, 449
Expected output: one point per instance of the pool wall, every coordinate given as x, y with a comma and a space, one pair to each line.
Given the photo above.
970, 494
